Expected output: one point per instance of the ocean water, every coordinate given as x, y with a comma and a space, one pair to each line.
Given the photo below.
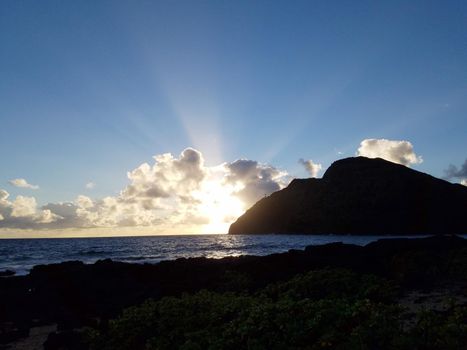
21, 255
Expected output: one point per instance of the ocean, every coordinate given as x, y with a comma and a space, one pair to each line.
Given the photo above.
20, 255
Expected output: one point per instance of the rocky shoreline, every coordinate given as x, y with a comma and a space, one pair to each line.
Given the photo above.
73, 295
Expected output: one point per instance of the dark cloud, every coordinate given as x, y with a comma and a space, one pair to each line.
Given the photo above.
453, 172
312, 168
243, 169
254, 191
156, 192
257, 180
68, 215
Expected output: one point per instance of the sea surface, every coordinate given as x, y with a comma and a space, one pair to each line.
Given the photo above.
21, 255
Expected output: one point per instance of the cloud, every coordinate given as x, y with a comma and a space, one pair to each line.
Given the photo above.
157, 194
168, 176
171, 194
401, 152
23, 184
453, 172
3, 195
23, 212
253, 180
312, 168
90, 185
463, 182
23, 206
67, 216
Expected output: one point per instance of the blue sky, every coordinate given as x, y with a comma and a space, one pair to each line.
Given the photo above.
90, 90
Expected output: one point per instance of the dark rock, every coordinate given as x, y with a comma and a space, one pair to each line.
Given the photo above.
7, 273
69, 340
361, 196
11, 331
73, 294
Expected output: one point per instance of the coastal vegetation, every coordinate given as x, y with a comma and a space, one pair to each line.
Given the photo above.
389, 294
322, 309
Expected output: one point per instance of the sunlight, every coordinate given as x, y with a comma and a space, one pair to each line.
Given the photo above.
218, 203
195, 105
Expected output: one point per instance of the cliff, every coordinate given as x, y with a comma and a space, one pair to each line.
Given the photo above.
361, 196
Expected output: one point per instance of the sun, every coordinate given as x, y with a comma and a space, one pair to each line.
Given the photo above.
218, 203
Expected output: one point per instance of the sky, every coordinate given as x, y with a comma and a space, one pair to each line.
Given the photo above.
148, 117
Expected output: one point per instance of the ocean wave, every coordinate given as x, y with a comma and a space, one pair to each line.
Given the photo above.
138, 258
20, 255
93, 252
21, 258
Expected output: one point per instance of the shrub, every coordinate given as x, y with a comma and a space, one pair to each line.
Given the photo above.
334, 283
321, 309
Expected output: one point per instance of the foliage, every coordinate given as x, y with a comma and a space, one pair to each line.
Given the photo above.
440, 330
324, 309
457, 263
334, 283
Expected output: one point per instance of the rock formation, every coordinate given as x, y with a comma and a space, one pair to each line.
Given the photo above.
361, 196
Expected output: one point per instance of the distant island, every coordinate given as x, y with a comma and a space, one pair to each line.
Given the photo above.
361, 196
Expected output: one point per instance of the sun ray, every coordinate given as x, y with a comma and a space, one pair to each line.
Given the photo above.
218, 203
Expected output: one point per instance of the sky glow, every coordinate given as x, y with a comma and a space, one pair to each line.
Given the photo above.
153, 117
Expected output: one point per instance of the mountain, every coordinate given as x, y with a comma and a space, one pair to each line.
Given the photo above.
361, 196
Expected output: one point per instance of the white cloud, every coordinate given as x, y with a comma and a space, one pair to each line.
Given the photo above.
23, 206
23, 184
3, 195
90, 185
401, 152
463, 182
173, 194
168, 176
45, 217
23, 212
176, 192
312, 168
84, 202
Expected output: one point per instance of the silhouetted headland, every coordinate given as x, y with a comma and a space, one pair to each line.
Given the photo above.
361, 196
